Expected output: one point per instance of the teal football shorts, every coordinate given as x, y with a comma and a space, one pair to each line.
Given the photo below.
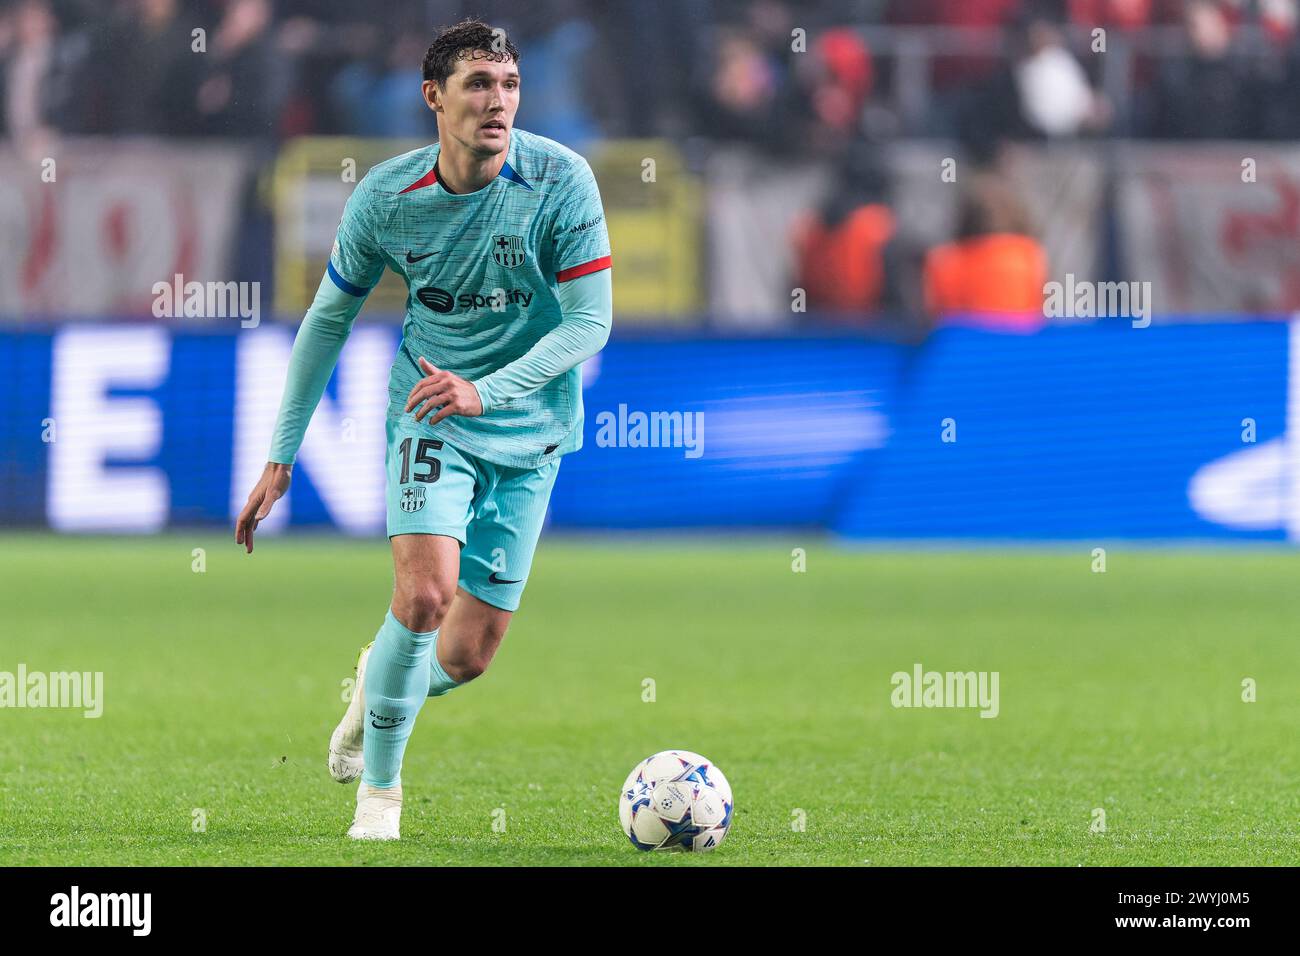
495, 512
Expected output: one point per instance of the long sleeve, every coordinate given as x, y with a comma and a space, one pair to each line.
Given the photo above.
316, 351
586, 316
355, 265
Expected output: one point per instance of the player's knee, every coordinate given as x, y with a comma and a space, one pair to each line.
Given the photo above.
473, 659
422, 605
473, 667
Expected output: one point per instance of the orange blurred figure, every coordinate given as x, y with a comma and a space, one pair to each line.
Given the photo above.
993, 273
841, 265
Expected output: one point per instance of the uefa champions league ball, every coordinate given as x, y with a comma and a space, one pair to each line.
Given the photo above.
675, 800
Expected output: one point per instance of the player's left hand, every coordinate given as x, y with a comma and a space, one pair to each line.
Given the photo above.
453, 393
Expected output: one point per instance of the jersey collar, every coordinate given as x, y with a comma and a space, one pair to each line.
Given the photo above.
507, 172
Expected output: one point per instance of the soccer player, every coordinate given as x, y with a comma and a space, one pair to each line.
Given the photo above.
500, 236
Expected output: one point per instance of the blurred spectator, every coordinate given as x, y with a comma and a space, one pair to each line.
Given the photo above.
241, 93
752, 94
555, 101
317, 41
840, 247
145, 75
1041, 92
956, 80
1205, 93
39, 70
743, 91
994, 272
379, 95
673, 44
835, 78
1053, 91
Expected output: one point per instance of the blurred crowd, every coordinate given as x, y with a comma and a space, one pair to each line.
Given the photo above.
819, 79
725, 70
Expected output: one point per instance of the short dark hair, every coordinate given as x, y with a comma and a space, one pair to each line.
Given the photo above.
462, 41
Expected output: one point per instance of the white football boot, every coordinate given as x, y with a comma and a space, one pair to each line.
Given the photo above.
379, 813
345, 760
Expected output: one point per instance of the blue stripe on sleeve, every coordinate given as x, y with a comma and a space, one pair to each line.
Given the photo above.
344, 284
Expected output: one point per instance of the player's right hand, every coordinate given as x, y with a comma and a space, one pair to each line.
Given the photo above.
269, 489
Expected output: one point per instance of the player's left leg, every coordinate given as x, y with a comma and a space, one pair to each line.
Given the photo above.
500, 541
470, 635
344, 760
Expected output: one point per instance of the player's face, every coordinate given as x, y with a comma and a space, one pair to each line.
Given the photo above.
478, 103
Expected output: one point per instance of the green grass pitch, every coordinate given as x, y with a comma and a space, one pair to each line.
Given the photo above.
1119, 690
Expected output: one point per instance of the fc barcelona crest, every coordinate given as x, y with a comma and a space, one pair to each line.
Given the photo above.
412, 499
508, 251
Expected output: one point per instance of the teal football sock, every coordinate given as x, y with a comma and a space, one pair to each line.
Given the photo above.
397, 682
439, 680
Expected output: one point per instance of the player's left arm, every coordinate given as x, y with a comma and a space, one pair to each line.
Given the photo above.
585, 290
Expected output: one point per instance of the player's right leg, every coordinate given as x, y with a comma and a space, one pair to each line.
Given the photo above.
397, 675
430, 489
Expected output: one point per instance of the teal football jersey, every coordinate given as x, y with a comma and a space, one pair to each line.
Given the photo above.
482, 271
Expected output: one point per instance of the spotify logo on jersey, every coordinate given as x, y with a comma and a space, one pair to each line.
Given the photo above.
439, 300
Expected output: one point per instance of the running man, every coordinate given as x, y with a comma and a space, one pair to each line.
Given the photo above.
500, 236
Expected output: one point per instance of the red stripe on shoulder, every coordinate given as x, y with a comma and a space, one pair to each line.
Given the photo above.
573, 272
428, 179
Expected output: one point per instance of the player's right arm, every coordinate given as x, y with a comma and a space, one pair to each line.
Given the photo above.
355, 266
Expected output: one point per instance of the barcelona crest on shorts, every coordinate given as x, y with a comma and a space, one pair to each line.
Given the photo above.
412, 499
508, 251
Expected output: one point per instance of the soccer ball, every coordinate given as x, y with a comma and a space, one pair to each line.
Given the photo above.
675, 800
